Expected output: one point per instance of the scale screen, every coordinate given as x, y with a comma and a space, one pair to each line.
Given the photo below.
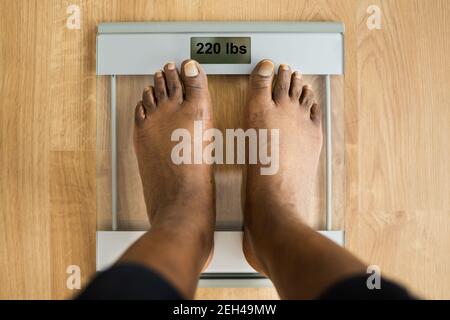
221, 50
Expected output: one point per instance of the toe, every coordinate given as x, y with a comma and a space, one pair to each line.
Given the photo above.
173, 82
139, 113
307, 97
296, 86
316, 114
148, 99
261, 80
282, 84
160, 87
194, 80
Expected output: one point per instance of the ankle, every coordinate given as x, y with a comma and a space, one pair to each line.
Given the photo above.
267, 215
267, 240
191, 221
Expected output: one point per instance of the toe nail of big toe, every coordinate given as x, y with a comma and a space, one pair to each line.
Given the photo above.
266, 68
191, 69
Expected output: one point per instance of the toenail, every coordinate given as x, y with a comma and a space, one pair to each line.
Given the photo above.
309, 87
171, 66
190, 69
285, 67
297, 75
158, 74
265, 68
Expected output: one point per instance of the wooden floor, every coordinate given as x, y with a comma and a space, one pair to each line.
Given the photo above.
397, 129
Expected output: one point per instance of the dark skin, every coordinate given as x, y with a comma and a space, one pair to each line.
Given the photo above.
180, 198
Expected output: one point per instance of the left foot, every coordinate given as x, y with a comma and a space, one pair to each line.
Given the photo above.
285, 197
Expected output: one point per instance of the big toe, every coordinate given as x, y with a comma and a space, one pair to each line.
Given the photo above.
261, 80
194, 80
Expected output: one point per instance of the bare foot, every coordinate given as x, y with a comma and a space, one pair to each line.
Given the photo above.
274, 200
179, 197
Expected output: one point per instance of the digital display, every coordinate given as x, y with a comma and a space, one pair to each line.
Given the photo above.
221, 50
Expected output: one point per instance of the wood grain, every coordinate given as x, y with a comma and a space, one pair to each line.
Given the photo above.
236, 294
397, 191
25, 255
403, 217
72, 184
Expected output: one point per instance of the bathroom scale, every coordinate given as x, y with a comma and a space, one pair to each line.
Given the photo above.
128, 54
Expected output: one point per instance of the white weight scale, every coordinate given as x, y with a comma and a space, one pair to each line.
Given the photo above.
225, 48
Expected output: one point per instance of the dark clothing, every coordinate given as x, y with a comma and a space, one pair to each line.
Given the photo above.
132, 281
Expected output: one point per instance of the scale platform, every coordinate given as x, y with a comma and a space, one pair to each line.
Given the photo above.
128, 54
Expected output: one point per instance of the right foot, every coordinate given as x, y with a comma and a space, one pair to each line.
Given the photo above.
286, 197
178, 197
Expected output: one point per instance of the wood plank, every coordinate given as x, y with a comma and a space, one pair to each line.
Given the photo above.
237, 294
72, 196
72, 191
24, 134
403, 209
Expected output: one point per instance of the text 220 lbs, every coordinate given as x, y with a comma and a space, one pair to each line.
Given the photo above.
216, 48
